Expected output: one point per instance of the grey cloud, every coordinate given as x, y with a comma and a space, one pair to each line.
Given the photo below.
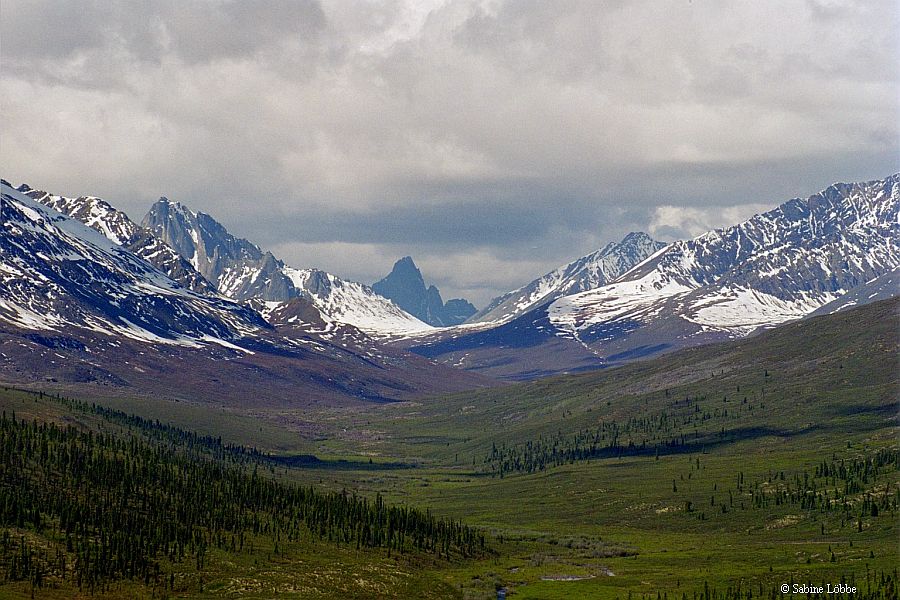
50, 29
534, 39
447, 225
239, 28
194, 31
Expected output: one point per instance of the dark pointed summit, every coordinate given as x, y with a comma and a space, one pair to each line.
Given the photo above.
405, 286
406, 263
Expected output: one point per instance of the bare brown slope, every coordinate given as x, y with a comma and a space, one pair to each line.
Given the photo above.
312, 372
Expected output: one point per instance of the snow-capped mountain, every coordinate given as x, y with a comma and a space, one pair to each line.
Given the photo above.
237, 268
586, 273
100, 215
76, 308
57, 273
405, 286
343, 301
181, 280
776, 267
242, 271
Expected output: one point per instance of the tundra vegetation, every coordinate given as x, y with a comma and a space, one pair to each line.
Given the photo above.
722, 471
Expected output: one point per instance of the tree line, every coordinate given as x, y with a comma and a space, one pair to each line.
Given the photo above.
125, 507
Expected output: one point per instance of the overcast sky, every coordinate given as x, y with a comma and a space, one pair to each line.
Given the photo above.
490, 140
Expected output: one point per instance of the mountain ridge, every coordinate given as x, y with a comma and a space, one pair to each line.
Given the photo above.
85, 278
243, 271
78, 309
642, 297
219, 256
773, 268
585, 273
101, 216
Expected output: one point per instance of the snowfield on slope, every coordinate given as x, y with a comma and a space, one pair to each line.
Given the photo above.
355, 304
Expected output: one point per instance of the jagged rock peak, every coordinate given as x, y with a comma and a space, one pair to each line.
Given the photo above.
238, 268
243, 271
405, 286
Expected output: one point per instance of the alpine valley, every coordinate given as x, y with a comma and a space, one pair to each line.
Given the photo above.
187, 415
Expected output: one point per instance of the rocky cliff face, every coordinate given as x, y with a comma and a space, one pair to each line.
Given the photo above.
238, 268
405, 286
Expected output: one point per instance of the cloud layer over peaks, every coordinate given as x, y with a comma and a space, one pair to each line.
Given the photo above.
490, 140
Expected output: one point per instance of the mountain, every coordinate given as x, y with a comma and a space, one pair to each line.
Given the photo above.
101, 216
238, 268
776, 267
79, 310
406, 287
586, 273
55, 271
458, 310
241, 270
342, 301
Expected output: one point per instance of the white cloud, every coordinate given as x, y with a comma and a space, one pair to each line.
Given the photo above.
680, 222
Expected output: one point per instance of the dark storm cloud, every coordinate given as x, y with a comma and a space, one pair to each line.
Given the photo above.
492, 140
470, 214
475, 214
